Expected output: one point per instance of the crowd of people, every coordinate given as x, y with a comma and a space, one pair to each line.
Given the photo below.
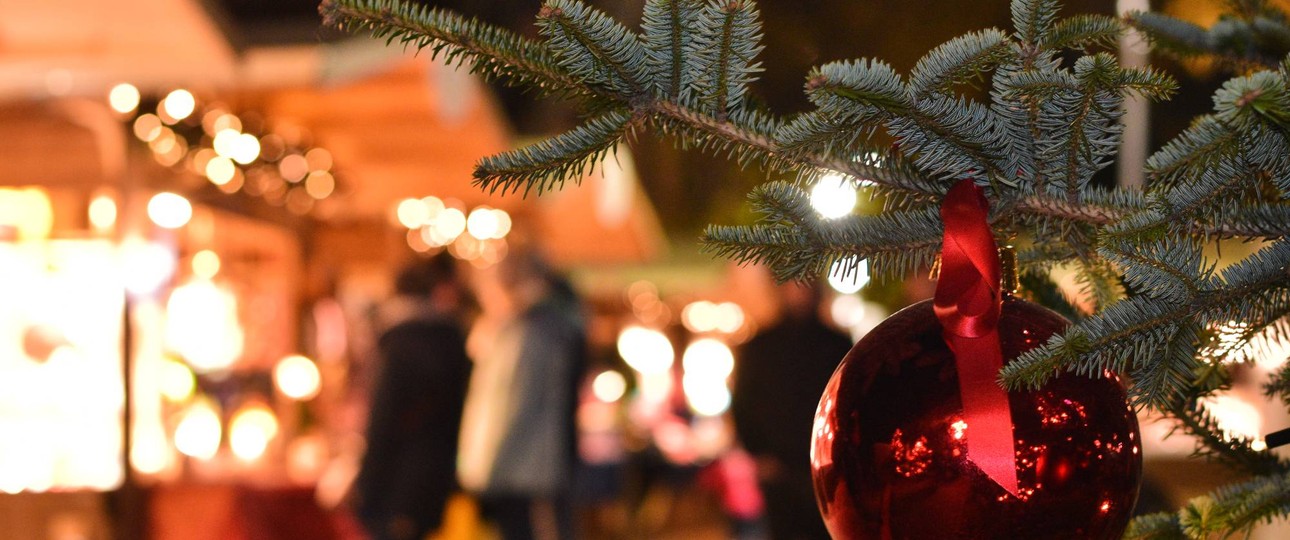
477, 387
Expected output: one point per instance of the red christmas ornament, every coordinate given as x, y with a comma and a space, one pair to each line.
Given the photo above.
913, 439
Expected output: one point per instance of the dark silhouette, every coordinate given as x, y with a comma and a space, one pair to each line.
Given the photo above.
779, 377
409, 469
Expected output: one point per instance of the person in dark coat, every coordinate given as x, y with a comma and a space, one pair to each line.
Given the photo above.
408, 471
779, 376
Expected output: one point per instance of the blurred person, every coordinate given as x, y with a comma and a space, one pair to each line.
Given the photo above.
408, 470
779, 376
518, 441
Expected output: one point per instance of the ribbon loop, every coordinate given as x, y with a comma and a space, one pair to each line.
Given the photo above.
968, 301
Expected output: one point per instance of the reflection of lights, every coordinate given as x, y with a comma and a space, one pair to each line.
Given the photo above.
199, 431
645, 350
609, 386
1236, 418
320, 184
482, 223
957, 429
102, 212
169, 211
412, 213
123, 98
250, 432
450, 223
176, 381
833, 196
708, 358
202, 325
147, 127
205, 264
293, 167
846, 280
707, 396
179, 104
297, 377
319, 159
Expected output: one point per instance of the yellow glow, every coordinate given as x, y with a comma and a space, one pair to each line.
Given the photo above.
412, 213
146, 266
1236, 417
123, 98
199, 431
28, 211
202, 325
483, 223
169, 211
147, 127
645, 350
833, 196
206, 264
319, 159
293, 167
297, 377
730, 317
176, 381
245, 148
220, 170
179, 104
320, 184
699, 316
102, 212
609, 386
251, 431
450, 223
149, 451
709, 358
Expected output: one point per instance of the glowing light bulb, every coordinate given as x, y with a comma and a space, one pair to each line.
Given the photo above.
169, 211
833, 196
177, 383
297, 377
179, 104
450, 223
320, 184
123, 98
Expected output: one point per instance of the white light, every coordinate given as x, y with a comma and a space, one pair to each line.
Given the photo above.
708, 358
833, 196
729, 317
482, 223
102, 212
849, 281
226, 142
179, 104
855, 314
412, 213
250, 432
297, 377
220, 170
123, 98
202, 325
706, 396
245, 148
146, 265
199, 432
609, 386
700, 316
169, 211
450, 223
503, 223
645, 350
1236, 417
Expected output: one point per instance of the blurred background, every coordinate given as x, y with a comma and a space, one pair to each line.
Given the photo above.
203, 204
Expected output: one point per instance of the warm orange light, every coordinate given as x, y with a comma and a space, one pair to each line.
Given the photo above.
199, 431
206, 264
102, 212
251, 431
123, 98
320, 184
297, 377
179, 104
169, 210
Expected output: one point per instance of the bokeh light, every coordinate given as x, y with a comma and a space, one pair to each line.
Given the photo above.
179, 104
646, 350
206, 264
169, 210
199, 432
297, 377
123, 98
709, 358
833, 196
849, 281
609, 386
176, 381
102, 212
252, 429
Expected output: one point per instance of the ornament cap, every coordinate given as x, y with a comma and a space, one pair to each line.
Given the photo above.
1008, 269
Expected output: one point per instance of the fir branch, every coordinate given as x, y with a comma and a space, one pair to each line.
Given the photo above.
492, 52
1084, 32
546, 165
1237, 507
1158, 526
957, 61
669, 27
725, 46
594, 47
1032, 20
1195, 420
1176, 36
1173, 270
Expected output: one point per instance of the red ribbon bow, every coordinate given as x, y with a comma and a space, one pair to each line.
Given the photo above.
968, 302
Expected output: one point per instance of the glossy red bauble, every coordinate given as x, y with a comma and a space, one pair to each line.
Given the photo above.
889, 459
